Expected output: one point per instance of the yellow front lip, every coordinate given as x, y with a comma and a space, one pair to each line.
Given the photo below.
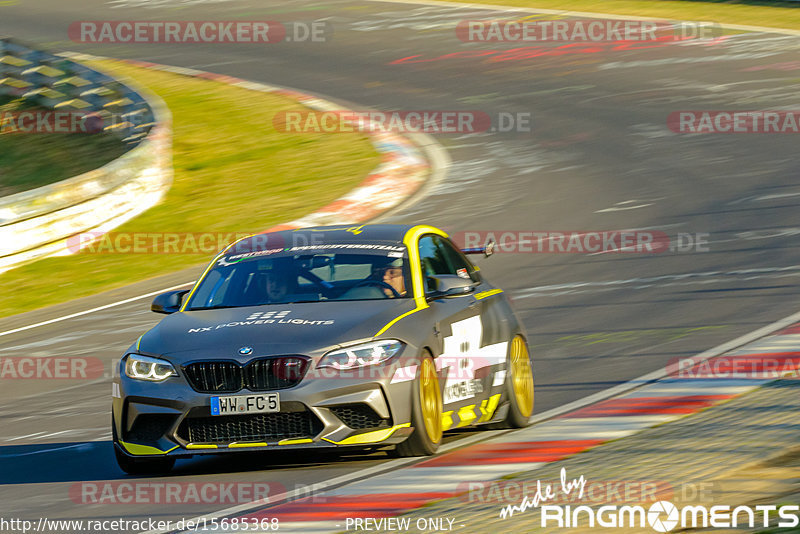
144, 450
370, 437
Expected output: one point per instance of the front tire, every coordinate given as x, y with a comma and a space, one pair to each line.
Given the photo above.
426, 412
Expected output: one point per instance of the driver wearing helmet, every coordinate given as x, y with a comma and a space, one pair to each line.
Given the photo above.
278, 279
392, 275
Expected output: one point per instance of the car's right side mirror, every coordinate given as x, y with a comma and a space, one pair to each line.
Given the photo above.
168, 302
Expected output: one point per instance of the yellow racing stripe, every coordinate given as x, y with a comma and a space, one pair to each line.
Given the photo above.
488, 293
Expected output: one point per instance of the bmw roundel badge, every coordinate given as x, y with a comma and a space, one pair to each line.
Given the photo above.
244, 351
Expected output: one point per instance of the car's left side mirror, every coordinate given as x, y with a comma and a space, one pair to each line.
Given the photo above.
448, 285
168, 302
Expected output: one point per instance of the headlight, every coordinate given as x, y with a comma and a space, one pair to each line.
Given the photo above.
146, 368
362, 355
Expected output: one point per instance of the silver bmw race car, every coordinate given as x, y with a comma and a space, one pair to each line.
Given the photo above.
369, 336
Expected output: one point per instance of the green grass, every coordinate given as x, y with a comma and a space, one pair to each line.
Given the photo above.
233, 173
30, 160
754, 13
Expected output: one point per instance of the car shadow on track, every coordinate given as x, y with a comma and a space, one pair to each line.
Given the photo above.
94, 460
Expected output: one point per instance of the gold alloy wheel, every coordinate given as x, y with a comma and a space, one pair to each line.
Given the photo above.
522, 376
430, 400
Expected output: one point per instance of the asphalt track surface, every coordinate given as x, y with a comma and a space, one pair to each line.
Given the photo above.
599, 157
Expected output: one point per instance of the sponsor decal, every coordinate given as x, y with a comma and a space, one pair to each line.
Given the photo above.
461, 353
236, 258
264, 318
348, 246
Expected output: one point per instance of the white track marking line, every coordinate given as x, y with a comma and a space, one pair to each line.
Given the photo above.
93, 310
506, 435
25, 436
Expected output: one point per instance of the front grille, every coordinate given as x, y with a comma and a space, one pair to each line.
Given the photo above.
358, 416
275, 373
253, 427
266, 374
150, 427
214, 377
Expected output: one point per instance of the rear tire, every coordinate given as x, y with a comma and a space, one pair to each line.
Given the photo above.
426, 412
518, 386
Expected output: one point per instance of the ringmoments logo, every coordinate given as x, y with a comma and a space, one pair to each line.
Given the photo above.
664, 516
660, 516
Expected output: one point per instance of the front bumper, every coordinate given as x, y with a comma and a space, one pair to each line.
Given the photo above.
170, 418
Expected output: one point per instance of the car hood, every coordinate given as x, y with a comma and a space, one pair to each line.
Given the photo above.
301, 328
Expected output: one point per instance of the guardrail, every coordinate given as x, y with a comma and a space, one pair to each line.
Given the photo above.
36, 223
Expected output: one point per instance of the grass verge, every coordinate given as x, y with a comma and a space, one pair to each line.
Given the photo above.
28, 161
784, 15
233, 173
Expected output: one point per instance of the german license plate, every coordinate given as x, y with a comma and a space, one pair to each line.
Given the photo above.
244, 404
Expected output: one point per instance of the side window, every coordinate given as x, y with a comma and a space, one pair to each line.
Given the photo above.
456, 262
431, 258
439, 256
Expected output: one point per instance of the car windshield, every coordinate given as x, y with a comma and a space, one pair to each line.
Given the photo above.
348, 272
